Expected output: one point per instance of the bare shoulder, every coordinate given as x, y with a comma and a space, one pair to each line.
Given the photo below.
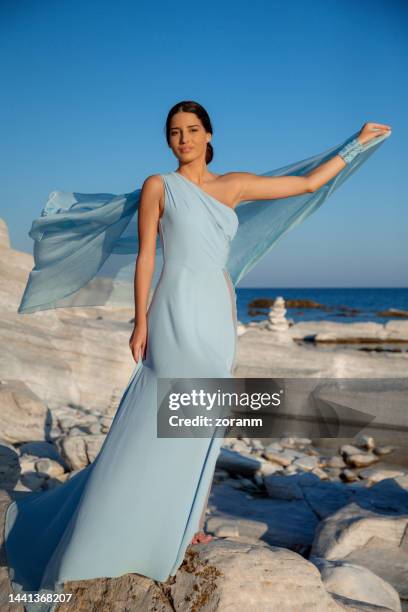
152, 195
153, 185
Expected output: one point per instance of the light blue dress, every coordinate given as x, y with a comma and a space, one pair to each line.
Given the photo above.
137, 506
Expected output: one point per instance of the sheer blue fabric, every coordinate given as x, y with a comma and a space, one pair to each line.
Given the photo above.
85, 244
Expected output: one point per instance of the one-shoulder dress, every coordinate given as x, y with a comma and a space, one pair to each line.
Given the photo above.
138, 505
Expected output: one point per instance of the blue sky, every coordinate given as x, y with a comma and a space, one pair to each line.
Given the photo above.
86, 87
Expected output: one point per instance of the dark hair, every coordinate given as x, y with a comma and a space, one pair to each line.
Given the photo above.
189, 106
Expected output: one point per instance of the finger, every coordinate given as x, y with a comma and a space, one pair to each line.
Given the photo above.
381, 126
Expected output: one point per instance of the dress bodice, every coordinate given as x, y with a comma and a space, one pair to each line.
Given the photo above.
196, 229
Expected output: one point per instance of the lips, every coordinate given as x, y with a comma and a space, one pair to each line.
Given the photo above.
185, 150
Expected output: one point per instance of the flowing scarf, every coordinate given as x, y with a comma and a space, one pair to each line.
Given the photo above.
85, 244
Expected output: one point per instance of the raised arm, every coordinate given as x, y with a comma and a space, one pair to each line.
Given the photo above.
255, 187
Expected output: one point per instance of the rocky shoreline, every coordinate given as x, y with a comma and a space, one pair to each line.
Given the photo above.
293, 529
296, 526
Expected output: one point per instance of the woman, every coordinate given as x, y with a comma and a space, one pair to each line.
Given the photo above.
139, 505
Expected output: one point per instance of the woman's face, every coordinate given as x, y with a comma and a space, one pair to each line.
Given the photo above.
188, 138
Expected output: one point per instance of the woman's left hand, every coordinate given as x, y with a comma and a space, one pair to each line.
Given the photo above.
372, 130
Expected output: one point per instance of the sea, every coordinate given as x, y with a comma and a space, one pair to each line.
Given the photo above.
336, 304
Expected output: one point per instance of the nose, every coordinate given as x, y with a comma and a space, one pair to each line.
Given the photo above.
183, 138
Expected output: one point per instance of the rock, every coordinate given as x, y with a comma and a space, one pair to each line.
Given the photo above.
349, 475
63, 345
234, 463
366, 442
241, 329
349, 449
269, 467
277, 322
378, 474
259, 481
383, 450
80, 450
246, 441
351, 527
310, 451
294, 442
284, 458
320, 473
259, 356
281, 487
340, 332
257, 445
396, 330
73, 450
246, 484
357, 583
336, 462
45, 450
361, 459
229, 575
289, 470
131, 592
20, 487
306, 463
387, 496
324, 497
305, 303
240, 446
4, 235
105, 423
27, 463
393, 312
333, 473
274, 447
32, 481
93, 446
50, 468
221, 575
384, 559
79, 431
227, 530
95, 429
24, 417
278, 522
402, 481
9, 466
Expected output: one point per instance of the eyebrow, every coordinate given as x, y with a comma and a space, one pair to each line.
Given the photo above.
194, 125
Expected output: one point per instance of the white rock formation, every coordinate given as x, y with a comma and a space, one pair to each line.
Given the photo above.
23, 414
357, 584
63, 355
277, 322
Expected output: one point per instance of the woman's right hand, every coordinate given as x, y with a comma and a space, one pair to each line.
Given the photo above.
369, 131
138, 341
